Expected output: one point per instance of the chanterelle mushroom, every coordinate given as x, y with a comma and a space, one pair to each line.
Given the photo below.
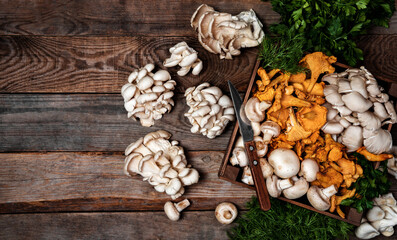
210, 111
226, 212
161, 162
186, 57
148, 95
172, 210
224, 34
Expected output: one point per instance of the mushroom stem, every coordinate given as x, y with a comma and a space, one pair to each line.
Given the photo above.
182, 205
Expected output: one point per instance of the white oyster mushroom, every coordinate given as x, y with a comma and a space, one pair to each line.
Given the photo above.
160, 162
186, 57
224, 34
210, 111
362, 109
147, 95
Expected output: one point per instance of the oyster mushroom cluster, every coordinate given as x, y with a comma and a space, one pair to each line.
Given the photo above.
148, 95
357, 109
160, 162
224, 34
210, 111
380, 219
186, 57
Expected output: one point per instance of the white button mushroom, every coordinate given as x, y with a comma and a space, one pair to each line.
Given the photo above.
298, 190
320, 198
255, 109
270, 130
275, 186
226, 212
247, 176
172, 210
285, 162
309, 169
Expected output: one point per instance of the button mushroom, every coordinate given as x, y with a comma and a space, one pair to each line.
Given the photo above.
226, 212
319, 198
309, 169
285, 162
275, 185
270, 130
299, 188
172, 210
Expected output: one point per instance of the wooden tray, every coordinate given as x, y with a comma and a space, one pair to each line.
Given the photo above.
233, 174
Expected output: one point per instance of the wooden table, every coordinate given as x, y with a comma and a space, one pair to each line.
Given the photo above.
63, 127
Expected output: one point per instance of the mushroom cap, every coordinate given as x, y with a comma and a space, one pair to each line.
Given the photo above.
285, 162
226, 212
318, 199
171, 211
252, 110
356, 102
298, 190
309, 169
352, 138
366, 231
381, 141
376, 213
270, 129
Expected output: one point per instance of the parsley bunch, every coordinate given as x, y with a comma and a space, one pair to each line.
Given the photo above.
330, 26
373, 183
287, 221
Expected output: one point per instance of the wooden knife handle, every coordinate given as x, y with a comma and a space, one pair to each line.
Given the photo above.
257, 175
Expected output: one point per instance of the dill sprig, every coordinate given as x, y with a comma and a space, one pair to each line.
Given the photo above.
286, 221
282, 53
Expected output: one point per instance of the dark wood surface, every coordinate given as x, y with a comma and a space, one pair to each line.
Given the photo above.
63, 127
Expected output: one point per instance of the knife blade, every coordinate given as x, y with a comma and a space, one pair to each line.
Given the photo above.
250, 148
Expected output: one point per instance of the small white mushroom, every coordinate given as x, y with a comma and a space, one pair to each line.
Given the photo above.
226, 212
186, 57
247, 176
298, 190
285, 162
270, 130
275, 185
366, 231
255, 109
320, 198
172, 210
267, 169
309, 169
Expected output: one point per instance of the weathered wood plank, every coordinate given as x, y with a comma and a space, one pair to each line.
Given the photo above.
123, 18
88, 122
134, 225
117, 18
102, 64
53, 182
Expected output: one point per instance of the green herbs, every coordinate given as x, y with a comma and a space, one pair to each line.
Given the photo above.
282, 53
373, 183
330, 26
286, 221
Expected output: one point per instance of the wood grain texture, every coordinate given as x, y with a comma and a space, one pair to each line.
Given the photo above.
117, 18
53, 182
102, 64
123, 18
380, 56
88, 122
132, 225
142, 225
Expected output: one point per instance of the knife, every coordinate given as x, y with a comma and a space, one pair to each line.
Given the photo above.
250, 148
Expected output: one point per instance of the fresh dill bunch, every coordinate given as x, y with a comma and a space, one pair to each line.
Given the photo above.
287, 221
282, 52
